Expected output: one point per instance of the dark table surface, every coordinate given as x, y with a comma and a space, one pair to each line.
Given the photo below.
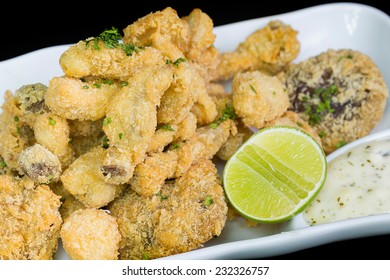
65, 22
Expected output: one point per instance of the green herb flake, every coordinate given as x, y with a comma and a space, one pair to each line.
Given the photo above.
16, 118
175, 146
145, 256
176, 62
3, 164
129, 49
322, 104
107, 121
120, 135
167, 127
208, 201
105, 143
123, 83
252, 88
52, 121
85, 87
340, 144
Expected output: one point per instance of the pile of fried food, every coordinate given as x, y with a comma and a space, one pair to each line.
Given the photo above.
116, 157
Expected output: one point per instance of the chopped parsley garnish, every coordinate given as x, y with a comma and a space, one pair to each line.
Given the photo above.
16, 118
85, 87
162, 197
253, 89
120, 135
340, 144
105, 144
167, 127
316, 110
107, 121
176, 62
52, 121
208, 201
99, 83
129, 49
111, 39
123, 83
174, 146
228, 113
3, 164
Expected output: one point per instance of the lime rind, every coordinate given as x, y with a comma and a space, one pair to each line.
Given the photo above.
281, 188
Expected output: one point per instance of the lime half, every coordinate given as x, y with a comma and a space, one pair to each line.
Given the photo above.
275, 174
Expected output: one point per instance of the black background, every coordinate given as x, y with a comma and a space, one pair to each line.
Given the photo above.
27, 27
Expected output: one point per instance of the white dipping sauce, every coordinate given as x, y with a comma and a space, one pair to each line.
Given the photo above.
357, 184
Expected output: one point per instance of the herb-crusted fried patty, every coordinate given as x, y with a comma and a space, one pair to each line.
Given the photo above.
341, 93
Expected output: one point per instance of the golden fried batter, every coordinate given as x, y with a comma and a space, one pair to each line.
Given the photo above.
290, 118
41, 165
81, 61
258, 98
91, 234
182, 217
83, 180
80, 99
29, 220
163, 30
131, 122
268, 49
184, 91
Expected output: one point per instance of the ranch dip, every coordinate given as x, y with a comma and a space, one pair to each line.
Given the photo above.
357, 184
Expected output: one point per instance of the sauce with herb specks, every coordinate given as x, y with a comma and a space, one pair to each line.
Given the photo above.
357, 184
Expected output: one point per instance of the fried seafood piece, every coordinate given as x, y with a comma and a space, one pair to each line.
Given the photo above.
163, 30
91, 234
225, 109
268, 49
69, 203
15, 135
186, 213
202, 54
201, 33
258, 98
52, 132
83, 180
203, 145
178, 99
86, 59
131, 121
39, 164
30, 221
204, 109
291, 118
167, 133
30, 100
80, 99
341, 93
150, 175
85, 135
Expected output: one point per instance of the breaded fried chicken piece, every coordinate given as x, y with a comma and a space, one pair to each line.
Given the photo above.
182, 217
258, 98
163, 30
268, 49
29, 220
91, 234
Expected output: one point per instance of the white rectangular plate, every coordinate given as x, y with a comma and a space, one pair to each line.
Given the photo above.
338, 25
